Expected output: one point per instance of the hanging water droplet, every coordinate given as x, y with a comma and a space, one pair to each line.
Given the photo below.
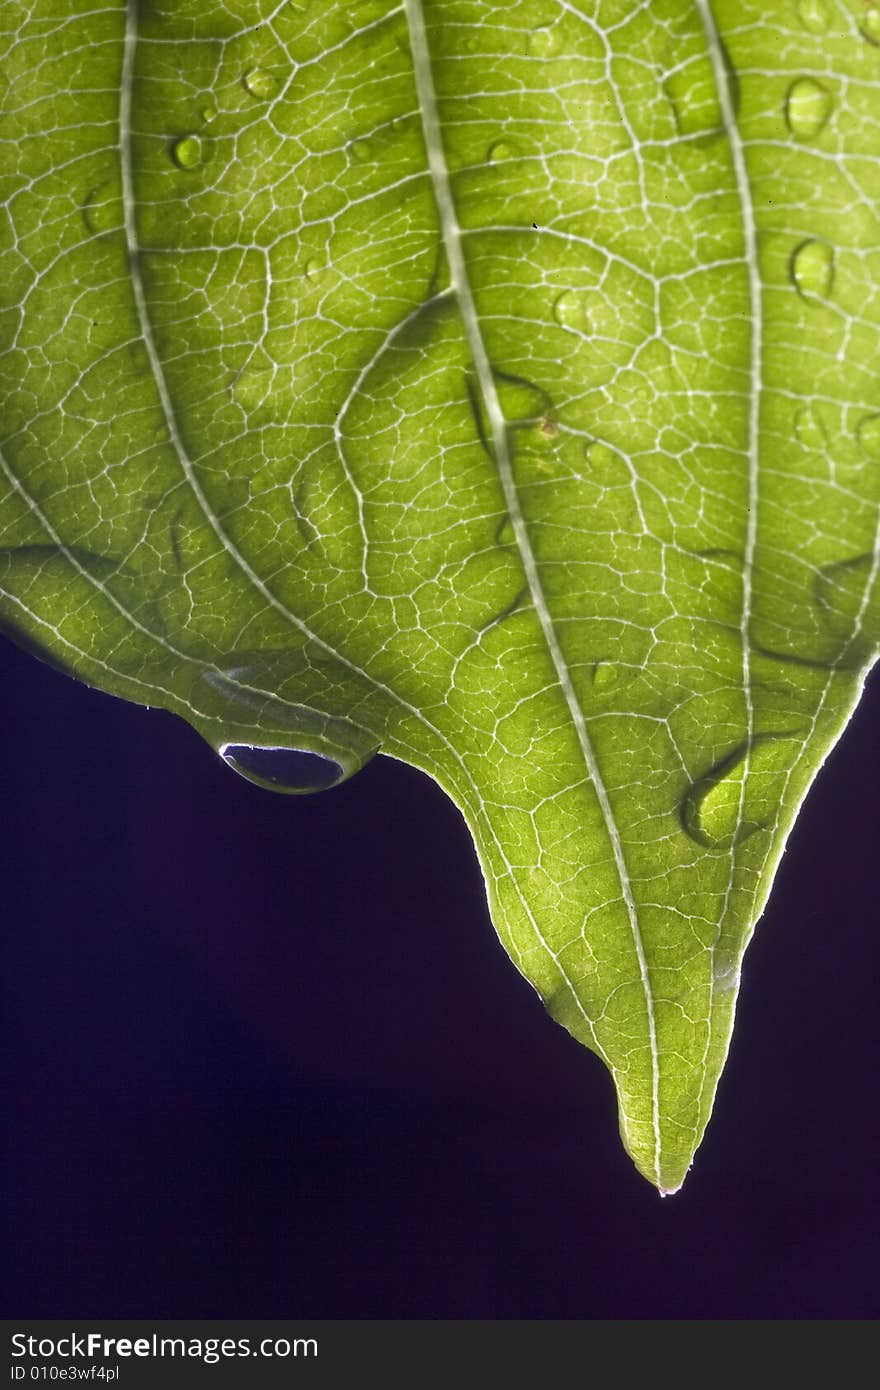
102, 209
870, 25
813, 15
810, 429
569, 311
812, 269
544, 41
261, 84
501, 150
742, 793
807, 108
292, 770
272, 739
187, 151
869, 436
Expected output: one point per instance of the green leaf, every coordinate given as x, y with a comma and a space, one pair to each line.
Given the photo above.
491, 385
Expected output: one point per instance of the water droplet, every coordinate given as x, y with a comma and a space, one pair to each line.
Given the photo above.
261, 84
812, 269
870, 25
569, 311
361, 151
599, 455
810, 429
813, 15
187, 151
253, 386
102, 209
848, 598
693, 93
271, 739
544, 42
505, 534
742, 793
314, 266
604, 674
869, 436
807, 108
501, 150
292, 770
607, 468
209, 113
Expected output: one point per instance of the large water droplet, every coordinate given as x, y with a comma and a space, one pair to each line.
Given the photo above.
544, 42
870, 25
569, 311
187, 151
810, 429
813, 15
869, 436
292, 770
261, 84
812, 269
741, 794
807, 108
272, 738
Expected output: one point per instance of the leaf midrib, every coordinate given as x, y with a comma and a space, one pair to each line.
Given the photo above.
451, 233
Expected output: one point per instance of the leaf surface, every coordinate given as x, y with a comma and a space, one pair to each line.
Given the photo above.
490, 384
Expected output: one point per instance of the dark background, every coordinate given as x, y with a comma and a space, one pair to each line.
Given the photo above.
265, 1057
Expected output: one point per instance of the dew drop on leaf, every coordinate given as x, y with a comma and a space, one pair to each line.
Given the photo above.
505, 534
740, 794
314, 266
101, 209
693, 93
869, 436
209, 113
604, 674
870, 25
813, 15
187, 151
501, 150
807, 108
544, 42
569, 311
291, 770
261, 84
810, 429
812, 269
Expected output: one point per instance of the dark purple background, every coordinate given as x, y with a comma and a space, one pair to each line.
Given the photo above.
266, 1058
